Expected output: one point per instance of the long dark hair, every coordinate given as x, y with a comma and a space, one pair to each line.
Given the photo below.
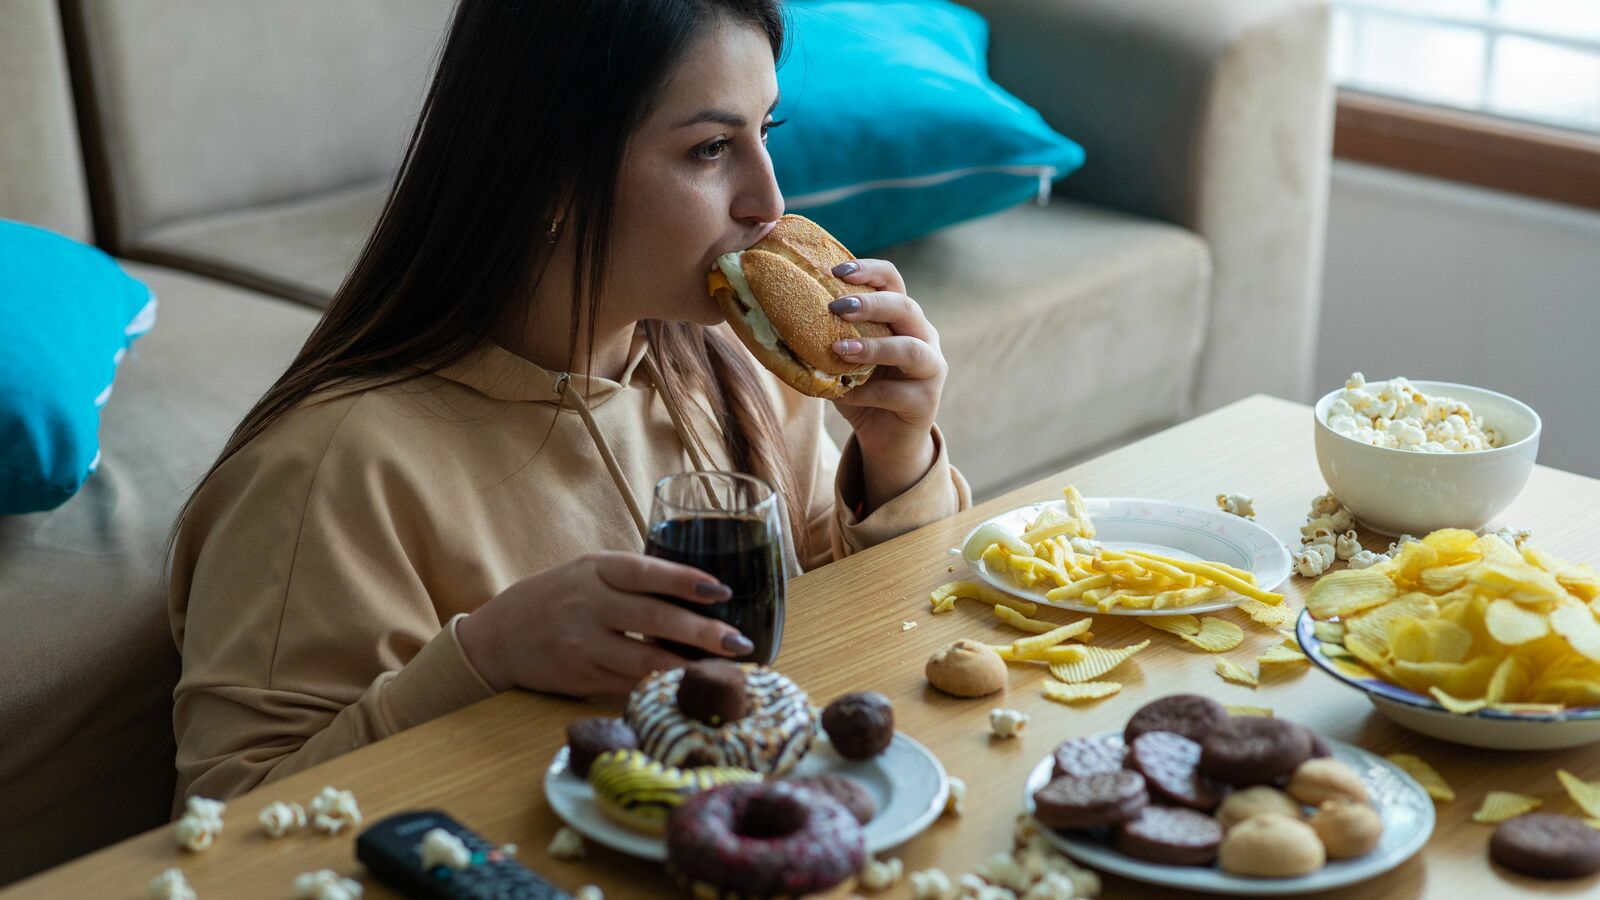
527, 120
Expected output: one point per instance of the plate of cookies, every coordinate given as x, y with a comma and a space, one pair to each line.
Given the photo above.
1127, 556
1189, 796
719, 726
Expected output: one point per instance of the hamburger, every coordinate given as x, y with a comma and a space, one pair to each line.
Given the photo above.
775, 295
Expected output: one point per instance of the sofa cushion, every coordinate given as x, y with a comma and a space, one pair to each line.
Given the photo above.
301, 249
41, 170
289, 99
87, 661
1066, 328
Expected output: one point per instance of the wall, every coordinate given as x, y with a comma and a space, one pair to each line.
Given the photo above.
1437, 280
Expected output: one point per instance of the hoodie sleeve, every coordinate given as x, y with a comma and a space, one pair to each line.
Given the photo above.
305, 630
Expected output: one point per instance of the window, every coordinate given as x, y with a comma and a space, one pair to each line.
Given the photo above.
1533, 60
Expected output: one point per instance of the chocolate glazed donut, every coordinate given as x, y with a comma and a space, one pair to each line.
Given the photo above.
763, 840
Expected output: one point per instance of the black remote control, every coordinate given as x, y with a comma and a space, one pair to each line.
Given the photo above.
392, 851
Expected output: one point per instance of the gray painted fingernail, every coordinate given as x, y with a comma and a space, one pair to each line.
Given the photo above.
846, 268
736, 643
845, 305
712, 590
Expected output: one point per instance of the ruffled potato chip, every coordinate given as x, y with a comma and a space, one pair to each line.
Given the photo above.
1096, 661
1350, 591
1262, 711
1179, 625
1373, 624
1457, 705
1511, 623
1428, 640
1463, 679
1269, 615
1425, 774
1231, 671
1337, 651
1080, 692
1575, 622
1454, 545
1509, 682
1352, 669
1216, 635
1281, 657
1584, 793
1522, 583
1328, 632
1502, 806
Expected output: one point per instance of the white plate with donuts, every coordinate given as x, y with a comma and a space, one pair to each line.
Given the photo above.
1405, 808
906, 781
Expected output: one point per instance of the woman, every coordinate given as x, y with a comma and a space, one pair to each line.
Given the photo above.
424, 509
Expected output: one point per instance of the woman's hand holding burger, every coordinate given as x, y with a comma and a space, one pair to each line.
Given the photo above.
892, 414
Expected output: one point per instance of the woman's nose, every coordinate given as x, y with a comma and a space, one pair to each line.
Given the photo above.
759, 199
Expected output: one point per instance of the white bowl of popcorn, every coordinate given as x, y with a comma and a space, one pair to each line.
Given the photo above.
1411, 457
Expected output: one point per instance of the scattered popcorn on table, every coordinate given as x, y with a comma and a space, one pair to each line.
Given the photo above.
279, 819
974, 888
1313, 560
932, 884
882, 874
1366, 559
1053, 886
333, 810
1237, 504
200, 824
1514, 536
171, 885
588, 892
1322, 536
325, 884
1347, 545
441, 848
567, 844
956, 803
1007, 723
1403, 540
907, 626
1004, 870
1400, 417
1325, 505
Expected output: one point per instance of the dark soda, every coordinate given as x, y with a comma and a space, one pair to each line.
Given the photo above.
744, 553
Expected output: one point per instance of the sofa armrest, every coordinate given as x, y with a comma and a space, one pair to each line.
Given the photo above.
1212, 114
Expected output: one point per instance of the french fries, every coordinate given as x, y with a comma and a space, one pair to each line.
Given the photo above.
1056, 555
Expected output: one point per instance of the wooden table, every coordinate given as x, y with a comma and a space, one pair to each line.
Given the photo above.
484, 764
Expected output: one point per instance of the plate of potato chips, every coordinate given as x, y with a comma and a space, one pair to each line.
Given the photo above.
1467, 638
1127, 556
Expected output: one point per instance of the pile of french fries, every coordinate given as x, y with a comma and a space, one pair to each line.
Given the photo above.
1057, 555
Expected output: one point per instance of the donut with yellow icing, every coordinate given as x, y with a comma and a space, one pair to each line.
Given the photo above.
639, 793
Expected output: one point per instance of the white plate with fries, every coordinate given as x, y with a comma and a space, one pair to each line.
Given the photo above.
1155, 558
906, 781
1402, 803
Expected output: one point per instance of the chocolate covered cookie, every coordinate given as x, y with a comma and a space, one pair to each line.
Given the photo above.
1190, 715
713, 692
1168, 835
1546, 845
588, 738
1087, 756
1170, 764
860, 725
1249, 750
1090, 801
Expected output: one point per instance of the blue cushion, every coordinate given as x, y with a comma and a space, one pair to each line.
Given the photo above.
70, 313
894, 128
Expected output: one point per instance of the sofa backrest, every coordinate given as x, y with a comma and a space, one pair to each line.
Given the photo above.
194, 106
41, 168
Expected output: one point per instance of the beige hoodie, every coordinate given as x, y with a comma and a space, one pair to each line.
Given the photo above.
317, 580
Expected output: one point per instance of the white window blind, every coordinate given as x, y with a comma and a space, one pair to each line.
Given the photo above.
1534, 60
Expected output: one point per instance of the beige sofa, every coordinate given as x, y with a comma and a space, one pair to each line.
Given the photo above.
234, 156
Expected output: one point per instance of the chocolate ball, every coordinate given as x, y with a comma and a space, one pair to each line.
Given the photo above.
588, 738
860, 725
713, 691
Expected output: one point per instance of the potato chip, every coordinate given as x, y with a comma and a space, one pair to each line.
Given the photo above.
1026, 647
1531, 709
1501, 806
1453, 545
1096, 661
1446, 578
1270, 616
1336, 651
1457, 705
1584, 793
1231, 671
1510, 681
1496, 551
1522, 583
1372, 625
1328, 632
1428, 640
1511, 624
1352, 669
1263, 711
1216, 635
1575, 622
1179, 625
1463, 679
1080, 692
1281, 656
1425, 775
1350, 591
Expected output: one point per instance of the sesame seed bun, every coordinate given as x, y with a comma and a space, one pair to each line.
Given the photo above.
789, 279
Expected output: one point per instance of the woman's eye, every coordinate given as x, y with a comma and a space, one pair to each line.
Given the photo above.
712, 150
